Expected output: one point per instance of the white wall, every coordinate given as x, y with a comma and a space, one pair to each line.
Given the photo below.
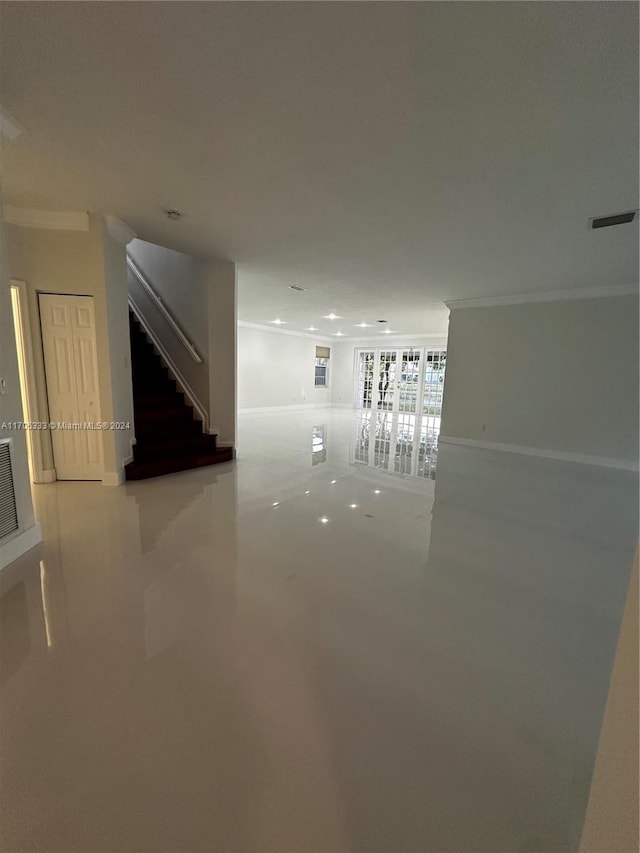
218, 279
28, 534
560, 376
278, 369
117, 293
85, 263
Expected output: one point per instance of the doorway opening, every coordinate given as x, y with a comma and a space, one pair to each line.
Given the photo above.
22, 330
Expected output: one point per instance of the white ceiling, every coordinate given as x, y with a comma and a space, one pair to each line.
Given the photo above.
385, 156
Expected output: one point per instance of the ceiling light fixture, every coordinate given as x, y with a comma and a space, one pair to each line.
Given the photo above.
388, 332
363, 325
331, 316
278, 322
323, 520
339, 334
312, 328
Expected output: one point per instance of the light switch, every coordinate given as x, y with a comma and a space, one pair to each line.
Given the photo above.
3, 385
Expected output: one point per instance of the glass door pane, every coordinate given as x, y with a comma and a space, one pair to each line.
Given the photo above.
387, 379
364, 390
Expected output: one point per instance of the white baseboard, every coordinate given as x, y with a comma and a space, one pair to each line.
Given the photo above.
559, 455
19, 545
113, 478
46, 476
342, 406
295, 407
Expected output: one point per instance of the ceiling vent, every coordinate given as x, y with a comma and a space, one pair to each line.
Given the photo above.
616, 219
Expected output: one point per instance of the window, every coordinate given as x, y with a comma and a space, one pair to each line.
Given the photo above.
322, 367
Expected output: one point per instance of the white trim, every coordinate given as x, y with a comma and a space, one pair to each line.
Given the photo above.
57, 220
49, 475
113, 478
294, 407
20, 544
30, 403
173, 370
433, 341
184, 340
401, 337
559, 455
545, 296
118, 229
280, 331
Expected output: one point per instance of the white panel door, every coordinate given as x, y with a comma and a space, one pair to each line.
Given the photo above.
71, 367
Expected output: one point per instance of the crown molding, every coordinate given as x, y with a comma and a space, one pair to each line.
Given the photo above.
118, 229
57, 220
418, 340
279, 331
545, 296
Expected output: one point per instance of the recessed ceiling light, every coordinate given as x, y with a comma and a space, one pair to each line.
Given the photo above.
297, 287
376, 491
353, 506
323, 520
279, 322
363, 325
388, 332
333, 482
331, 316
312, 328
308, 492
339, 334
276, 503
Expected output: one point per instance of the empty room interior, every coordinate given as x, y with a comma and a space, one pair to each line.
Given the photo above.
319, 367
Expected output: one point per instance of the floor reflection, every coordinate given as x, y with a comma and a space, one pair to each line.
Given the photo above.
201, 663
399, 442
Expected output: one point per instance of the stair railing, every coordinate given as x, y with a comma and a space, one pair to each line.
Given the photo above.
193, 352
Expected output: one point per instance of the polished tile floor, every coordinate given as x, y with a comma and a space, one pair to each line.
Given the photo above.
297, 652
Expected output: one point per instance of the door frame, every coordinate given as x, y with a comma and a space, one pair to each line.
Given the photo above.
26, 365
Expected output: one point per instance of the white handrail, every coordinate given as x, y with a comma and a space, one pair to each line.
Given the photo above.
193, 352
174, 370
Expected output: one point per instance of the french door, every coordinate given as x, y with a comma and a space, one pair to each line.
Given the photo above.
399, 395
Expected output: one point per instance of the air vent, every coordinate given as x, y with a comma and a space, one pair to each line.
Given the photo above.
8, 511
616, 219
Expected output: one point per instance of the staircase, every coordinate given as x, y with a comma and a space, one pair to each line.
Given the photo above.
168, 436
